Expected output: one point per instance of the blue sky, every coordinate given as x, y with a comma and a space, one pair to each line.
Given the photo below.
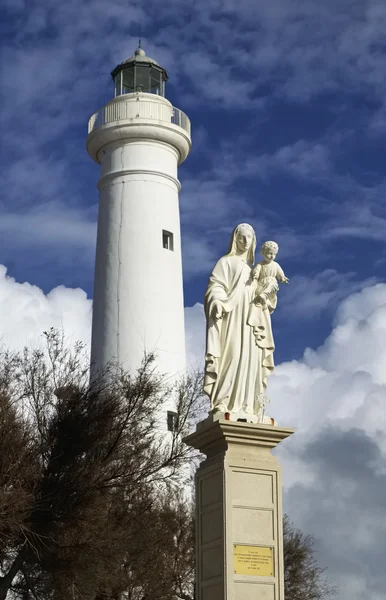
288, 110
288, 116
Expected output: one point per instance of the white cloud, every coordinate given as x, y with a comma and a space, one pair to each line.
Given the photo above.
363, 217
308, 297
219, 54
229, 53
226, 51
341, 381
303, 160
335, 398
25, 312
52, 225
334, 465
300, 49
222, 209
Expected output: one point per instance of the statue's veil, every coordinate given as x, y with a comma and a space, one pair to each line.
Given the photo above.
232, 250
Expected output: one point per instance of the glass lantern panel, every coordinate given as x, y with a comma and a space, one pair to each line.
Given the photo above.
128, 81
155, 82
117, 84
142, 78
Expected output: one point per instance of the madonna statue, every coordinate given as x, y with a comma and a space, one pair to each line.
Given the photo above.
239, 350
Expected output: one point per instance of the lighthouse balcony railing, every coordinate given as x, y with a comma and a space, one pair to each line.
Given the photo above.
118, 111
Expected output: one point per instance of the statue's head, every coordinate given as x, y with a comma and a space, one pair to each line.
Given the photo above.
243, 239
269, 250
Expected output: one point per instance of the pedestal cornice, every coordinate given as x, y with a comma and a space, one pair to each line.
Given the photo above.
216, 437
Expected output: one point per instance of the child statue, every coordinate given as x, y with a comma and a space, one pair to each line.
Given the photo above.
265, 275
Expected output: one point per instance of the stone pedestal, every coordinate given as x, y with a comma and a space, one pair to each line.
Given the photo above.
239, 511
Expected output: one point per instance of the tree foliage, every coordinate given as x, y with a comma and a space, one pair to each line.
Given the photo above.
304, 578
84, 473
91, 500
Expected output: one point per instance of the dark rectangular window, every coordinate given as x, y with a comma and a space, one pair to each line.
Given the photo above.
167, 240
172, 420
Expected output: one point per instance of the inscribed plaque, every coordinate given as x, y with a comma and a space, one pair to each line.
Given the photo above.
253, 560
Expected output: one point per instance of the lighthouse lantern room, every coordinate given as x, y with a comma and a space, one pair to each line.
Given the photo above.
139, 73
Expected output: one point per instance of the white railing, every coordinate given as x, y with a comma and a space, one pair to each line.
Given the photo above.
143, 109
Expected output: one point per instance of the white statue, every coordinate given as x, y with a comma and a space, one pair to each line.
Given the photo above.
239, 345
266, 274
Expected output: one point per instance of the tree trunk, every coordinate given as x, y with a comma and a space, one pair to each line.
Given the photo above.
6, 581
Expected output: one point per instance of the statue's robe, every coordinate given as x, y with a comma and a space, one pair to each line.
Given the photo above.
239, 356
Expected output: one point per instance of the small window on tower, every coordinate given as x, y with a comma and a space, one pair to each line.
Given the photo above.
167, 240
172, 421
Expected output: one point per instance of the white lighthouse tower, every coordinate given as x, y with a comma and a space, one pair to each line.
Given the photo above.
139, 139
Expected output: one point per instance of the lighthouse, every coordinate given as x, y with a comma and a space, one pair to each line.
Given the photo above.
139, 139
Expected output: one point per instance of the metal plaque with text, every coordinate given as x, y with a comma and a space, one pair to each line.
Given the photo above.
253, 560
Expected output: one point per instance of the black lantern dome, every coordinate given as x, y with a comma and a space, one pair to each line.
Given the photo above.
139, 73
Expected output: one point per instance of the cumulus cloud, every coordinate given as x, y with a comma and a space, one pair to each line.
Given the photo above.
230, 63
25, 312
362, 217
334, 466
302, 160
309, 297
226, 55
51, 224
344, 507
298, 50
334, 470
